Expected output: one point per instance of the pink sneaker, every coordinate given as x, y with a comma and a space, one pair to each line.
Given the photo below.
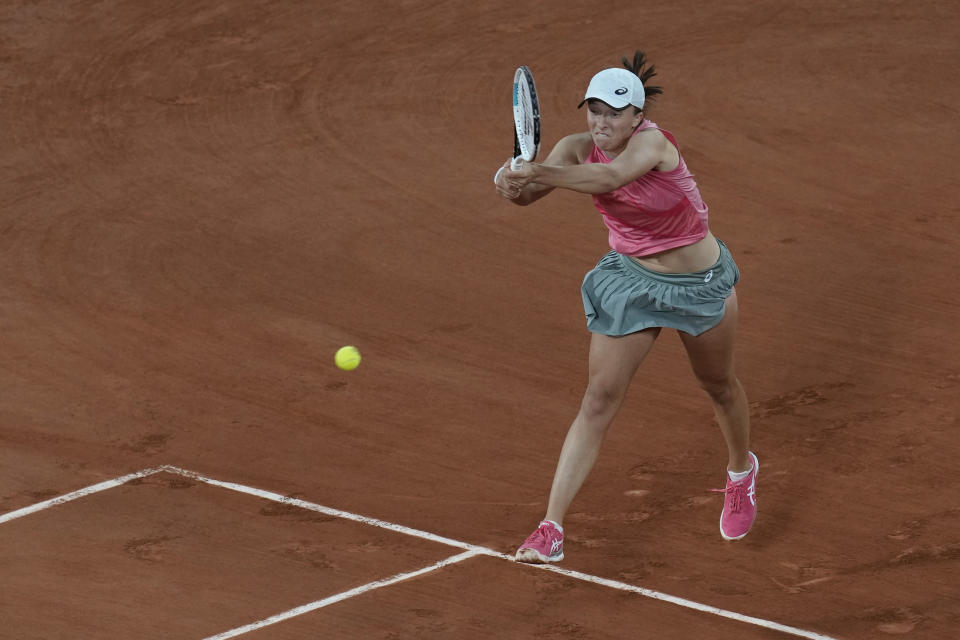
544, 545
740, 504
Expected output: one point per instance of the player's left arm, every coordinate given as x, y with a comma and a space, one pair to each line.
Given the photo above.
643, 153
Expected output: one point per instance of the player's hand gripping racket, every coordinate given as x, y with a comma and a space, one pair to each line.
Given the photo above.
526, 118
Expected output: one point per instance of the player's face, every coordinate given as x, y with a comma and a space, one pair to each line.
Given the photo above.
611, 128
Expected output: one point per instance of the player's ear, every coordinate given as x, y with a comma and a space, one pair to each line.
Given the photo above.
637, 118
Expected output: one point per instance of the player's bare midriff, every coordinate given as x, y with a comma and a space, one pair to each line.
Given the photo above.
691, 258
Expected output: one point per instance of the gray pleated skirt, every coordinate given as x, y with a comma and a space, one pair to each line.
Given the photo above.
621, 297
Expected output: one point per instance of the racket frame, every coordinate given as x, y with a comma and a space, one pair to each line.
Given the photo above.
526, 143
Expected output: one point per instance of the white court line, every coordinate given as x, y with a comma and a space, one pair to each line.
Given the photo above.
313, 606
689, 604
477, 550
470, 551
52, 502
311, 506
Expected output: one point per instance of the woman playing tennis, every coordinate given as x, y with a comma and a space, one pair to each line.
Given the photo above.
665, 270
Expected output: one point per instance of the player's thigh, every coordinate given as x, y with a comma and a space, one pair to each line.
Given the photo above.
614, 359
711, 352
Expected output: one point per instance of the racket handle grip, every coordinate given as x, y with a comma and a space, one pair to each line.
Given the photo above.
516, 163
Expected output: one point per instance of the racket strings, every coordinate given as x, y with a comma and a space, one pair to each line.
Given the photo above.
526, 114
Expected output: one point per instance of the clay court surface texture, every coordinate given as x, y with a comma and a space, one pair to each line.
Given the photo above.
203, 200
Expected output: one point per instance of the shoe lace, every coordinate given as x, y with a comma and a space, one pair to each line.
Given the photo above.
534, 537
736, 492
541, 534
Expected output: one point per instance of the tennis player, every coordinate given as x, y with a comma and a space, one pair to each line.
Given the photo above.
665, 270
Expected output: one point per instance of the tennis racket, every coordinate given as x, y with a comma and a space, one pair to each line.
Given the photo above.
526, 118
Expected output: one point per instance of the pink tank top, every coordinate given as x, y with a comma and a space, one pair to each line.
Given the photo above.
660, 210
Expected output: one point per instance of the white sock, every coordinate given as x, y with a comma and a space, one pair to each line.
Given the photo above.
737, 476
559, 528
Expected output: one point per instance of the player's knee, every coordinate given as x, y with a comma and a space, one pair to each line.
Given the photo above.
601, 400
721, 390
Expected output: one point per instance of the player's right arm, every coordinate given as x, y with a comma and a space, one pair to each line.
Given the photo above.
568, 151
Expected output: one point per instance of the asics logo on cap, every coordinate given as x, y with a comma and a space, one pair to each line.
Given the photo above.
621, 91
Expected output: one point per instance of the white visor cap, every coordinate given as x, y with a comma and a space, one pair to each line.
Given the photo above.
617, 87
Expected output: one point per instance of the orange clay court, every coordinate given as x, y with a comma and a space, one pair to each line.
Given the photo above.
202, 201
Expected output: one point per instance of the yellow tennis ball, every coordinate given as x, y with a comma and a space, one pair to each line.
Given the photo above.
347, 358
